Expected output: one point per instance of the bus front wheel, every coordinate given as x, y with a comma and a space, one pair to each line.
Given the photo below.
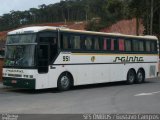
64, 82
131, 76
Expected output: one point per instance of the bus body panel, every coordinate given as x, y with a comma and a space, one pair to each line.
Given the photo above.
103, 69
85, 70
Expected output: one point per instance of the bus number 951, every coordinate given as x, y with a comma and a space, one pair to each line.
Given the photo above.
66, 58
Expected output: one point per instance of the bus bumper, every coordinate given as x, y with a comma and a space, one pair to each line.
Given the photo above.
19, 82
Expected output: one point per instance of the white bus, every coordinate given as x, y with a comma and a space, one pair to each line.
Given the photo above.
50, 57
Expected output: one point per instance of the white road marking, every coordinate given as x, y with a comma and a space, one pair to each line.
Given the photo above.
144, 94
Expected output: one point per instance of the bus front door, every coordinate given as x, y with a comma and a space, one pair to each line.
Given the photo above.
43, 63
46, 54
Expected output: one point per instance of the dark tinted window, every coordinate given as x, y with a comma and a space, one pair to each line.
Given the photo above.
128, 45
148, 46
116, 44
153, 46
101, 43
70, 41
121, 44
141, 46
135, 45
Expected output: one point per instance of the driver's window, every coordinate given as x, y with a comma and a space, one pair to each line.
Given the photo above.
52, 41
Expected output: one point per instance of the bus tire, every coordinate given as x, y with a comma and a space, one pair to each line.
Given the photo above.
140, 76
64, 82
131, 76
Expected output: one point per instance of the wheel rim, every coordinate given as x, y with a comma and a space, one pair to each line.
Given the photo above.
131, 77
64, 81
140, 77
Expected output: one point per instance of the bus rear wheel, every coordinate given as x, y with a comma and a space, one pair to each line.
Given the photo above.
64, 82
131, 77
140, 76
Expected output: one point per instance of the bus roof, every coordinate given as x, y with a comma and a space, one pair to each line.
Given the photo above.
36, 29
111, 34
33, 29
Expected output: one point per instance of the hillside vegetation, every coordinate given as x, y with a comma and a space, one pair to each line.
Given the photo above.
98, 14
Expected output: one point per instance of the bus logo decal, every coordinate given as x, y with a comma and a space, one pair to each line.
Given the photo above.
129, 59
93, 58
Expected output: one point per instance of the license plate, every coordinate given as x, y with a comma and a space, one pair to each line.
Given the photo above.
14, 81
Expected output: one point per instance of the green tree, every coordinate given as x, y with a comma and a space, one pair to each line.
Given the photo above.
137, 10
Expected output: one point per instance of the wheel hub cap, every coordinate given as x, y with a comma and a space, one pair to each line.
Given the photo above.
64, 81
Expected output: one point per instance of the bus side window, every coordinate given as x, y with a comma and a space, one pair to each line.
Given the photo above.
141, 46
104, 44
112, 44
108, 44
96, 44
116, 45
70, 42
153, 46
148, 46
82, 43
76, 41
156, 46
64, 41
100, 41
135, 45
88, 43
128, 45
121, 45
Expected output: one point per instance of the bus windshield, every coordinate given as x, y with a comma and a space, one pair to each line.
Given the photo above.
20, 50
20, 55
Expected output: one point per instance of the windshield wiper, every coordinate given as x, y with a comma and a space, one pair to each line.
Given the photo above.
19, 61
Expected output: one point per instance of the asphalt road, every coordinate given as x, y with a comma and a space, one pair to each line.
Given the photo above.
101, 98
